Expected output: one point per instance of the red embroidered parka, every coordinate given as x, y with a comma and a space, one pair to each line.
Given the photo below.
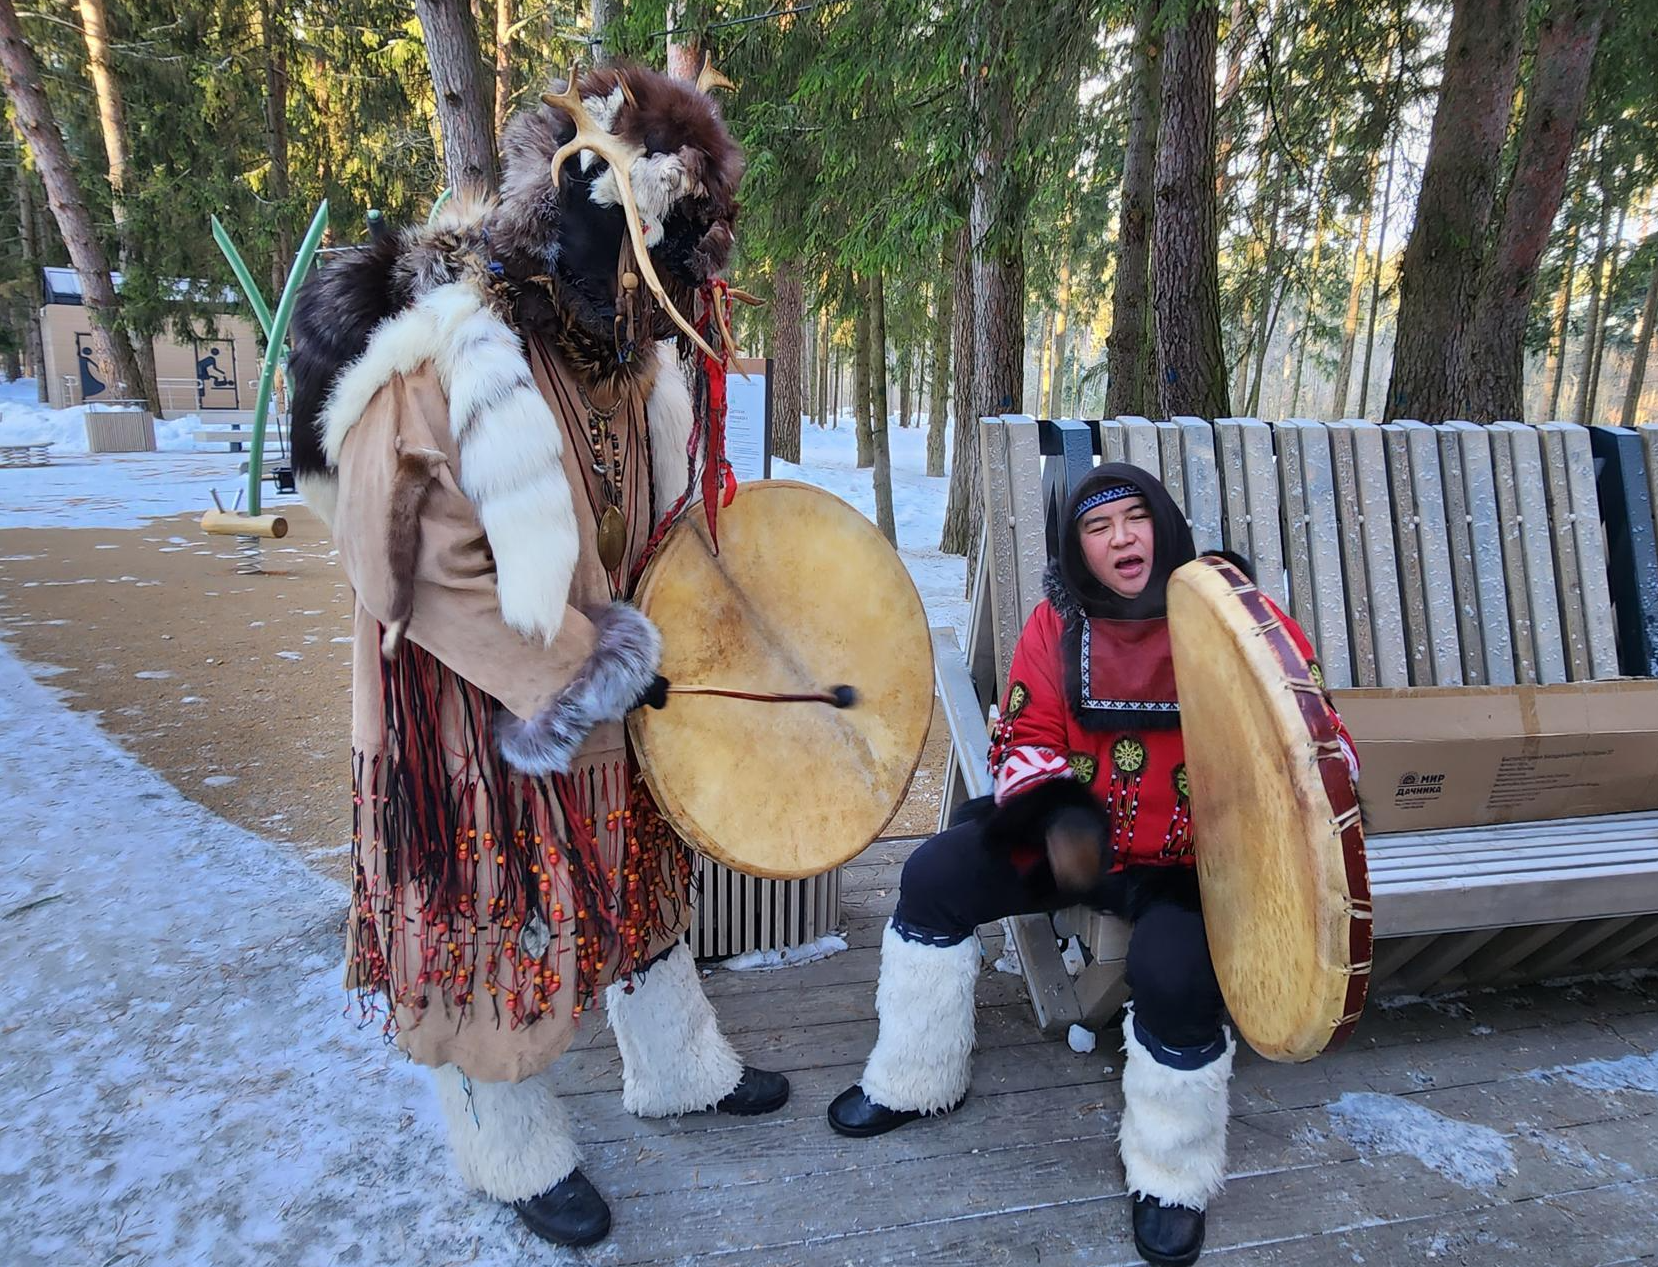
1135, 768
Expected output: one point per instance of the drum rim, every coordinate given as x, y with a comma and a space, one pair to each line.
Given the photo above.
1199, 577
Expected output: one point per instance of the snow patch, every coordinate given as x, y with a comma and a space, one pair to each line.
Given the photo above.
1080, 1039
1381, 1125
1627, 1073
787, 957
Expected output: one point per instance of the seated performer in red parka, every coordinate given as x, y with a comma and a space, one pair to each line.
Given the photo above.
1090, 805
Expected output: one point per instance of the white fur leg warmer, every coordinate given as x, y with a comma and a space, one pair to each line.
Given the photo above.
511, 1140
923, 1057
674, 1058
1173, 1135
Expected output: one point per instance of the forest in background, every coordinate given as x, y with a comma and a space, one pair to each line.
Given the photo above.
1279, 208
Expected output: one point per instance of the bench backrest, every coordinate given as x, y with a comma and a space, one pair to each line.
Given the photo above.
1413, 555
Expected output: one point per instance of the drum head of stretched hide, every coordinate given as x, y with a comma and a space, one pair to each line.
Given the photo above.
1280, 851
804, 595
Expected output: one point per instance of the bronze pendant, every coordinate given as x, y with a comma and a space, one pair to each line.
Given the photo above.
613, 538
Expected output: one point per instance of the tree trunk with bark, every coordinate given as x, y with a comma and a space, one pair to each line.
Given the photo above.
938, 397
684, 56
1494, 361
1561, 325
503, 63
879, 443
603, 14
964, 511
274, 45
1061, 342
1355, 298
113, 124
1440, 279
1614, 269
1643, 346
1376, 280
1191, 365
463, 104
1591, 325
861, 378
787, 318
30, 242
1129, 355
34, 118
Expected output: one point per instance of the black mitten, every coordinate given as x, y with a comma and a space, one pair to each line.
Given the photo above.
1063, 819
655, 695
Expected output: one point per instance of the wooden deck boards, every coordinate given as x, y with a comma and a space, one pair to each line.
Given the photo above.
1027, 1171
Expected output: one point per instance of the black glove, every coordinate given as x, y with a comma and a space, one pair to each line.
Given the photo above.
1072, 826
1078, 852
656, 694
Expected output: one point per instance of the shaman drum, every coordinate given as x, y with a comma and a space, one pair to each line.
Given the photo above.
1280, 850
804, 596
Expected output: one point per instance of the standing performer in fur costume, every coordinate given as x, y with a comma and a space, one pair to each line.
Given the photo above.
490, 416
1090, 805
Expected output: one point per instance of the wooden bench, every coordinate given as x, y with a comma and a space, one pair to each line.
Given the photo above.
1413, 556
237, 436
37, 453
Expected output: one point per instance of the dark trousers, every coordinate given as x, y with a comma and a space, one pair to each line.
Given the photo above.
953, 883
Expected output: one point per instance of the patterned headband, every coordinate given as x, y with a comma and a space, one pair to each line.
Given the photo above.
1104, 497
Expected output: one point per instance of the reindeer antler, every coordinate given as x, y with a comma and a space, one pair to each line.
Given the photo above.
590, 136
711, 78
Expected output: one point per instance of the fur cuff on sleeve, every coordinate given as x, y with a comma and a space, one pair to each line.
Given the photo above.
626, 652
1020, 823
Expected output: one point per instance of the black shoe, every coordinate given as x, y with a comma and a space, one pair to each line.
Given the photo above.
571, 1212
1168, 1235
853, 1113
760, 1091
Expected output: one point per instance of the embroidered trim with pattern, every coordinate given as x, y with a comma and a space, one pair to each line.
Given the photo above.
1126, 705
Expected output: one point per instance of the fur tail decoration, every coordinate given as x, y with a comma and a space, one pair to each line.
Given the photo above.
923, 1057
1173, 1135
674, 1058
511, 1140
416, 468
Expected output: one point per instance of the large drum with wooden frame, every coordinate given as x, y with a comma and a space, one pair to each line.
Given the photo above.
754, 760
1280, 849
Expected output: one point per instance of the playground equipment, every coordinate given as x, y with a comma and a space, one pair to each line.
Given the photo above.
252, 526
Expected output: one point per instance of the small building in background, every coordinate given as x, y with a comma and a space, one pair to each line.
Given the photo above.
217, 376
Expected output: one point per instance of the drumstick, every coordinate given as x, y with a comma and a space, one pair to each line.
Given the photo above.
840, 696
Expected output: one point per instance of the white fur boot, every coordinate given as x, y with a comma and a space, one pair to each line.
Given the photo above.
674, 1058
923, 1057
1173, 1135
511, 1140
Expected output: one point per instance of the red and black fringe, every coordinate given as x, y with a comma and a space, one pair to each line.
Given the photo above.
493, 857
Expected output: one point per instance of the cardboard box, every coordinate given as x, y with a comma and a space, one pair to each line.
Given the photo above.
1469, 756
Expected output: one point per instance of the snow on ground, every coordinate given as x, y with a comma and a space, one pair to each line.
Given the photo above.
1463, 1152
829, 460
787, 957
108, 490
24, 420
183, 1082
